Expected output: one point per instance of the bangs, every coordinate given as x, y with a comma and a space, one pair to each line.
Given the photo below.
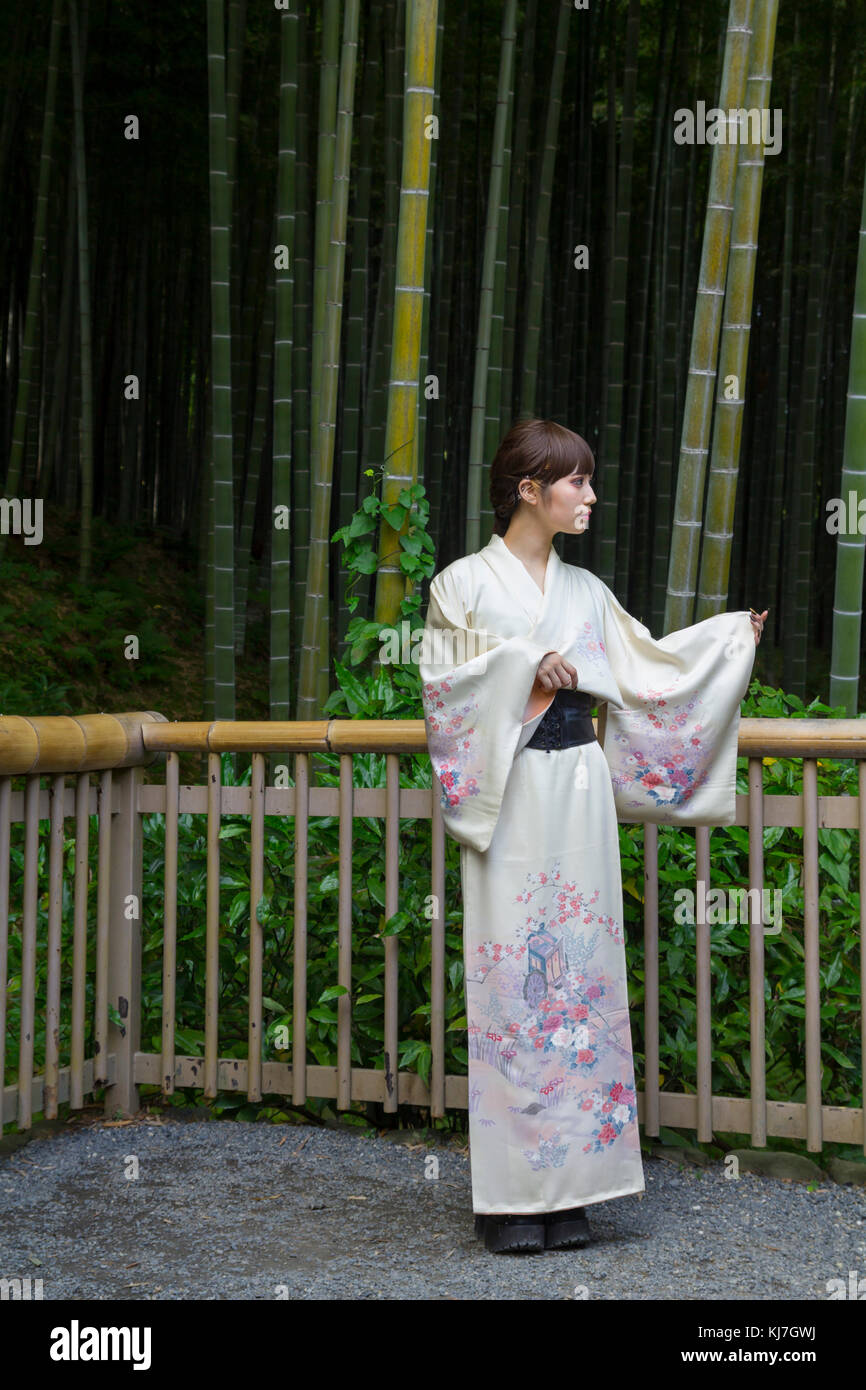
569, 453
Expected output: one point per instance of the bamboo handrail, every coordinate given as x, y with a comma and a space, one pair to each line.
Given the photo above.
86, 742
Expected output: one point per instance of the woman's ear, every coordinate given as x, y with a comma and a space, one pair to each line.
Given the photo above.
531, 493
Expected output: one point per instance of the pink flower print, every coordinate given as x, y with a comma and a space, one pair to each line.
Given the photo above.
508, 950
593, 992
587, 918
552, 1023
607, 1133
608, 1105
662, 702
586, 1055
627, 1096
539, 1042
515, 1028
533, 1030
580, 979
543, 878
650, 779
586, 1105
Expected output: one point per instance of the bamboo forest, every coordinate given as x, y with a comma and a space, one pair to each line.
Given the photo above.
306, 306
210, 327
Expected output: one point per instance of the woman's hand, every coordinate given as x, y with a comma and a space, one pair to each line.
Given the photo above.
757, 620
555, 673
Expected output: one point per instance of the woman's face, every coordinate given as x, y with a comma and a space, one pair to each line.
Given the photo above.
566, 503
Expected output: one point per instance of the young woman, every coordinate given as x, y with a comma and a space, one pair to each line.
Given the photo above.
518, 648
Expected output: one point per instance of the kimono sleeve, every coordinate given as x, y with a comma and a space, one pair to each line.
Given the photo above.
672, 747
475, 686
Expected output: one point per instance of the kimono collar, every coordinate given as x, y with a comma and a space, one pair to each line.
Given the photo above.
512, 572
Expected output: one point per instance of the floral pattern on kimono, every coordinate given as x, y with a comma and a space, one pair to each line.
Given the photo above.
614, 1107
527, 1022
679, 762
452, 749
589, 648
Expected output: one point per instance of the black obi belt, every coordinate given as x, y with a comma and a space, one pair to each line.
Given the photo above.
566, 722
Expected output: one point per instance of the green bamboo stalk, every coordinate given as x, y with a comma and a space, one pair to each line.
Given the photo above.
375, 414
429, 254
355, 372
400, 441
295, 487
715, 561
613, 567
252, 480
532, 322
327, 143
443, 307
221, 393
315, 654
682, 570
488, 271
850, 542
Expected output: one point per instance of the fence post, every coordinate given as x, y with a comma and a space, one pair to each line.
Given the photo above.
124, 940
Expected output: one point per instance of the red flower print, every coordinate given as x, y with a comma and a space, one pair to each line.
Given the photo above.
586, 1055
616, 1090
586, 1105
607, 1134
650, 779
551, 1024
533, 1030
608, 1105
515, 1028
539, 1042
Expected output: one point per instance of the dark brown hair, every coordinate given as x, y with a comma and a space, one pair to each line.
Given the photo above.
539, 449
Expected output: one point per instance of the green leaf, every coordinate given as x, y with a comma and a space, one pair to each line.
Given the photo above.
395, 516
365, 561
332, 992
362, 524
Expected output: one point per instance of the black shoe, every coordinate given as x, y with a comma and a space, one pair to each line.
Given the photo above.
479, 1224
566, 1230
506, 1235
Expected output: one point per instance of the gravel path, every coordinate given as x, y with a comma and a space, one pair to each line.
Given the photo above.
227, 1210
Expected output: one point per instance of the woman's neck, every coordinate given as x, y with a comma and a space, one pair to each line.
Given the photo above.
528, 542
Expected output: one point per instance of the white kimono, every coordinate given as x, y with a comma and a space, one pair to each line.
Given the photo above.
552, 1102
